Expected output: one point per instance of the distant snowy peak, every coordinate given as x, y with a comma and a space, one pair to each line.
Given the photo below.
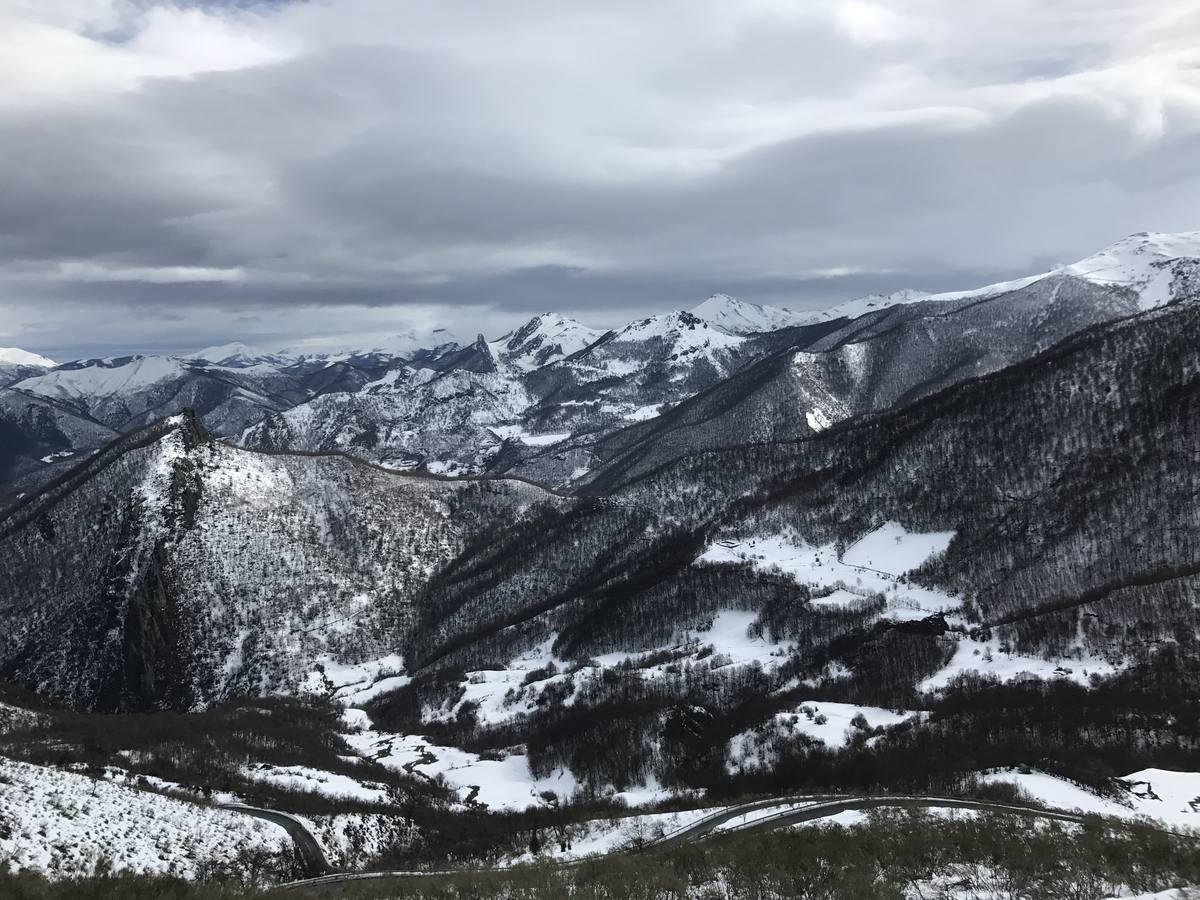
401, 345
740, 317
744, 318
1145, 262
1128, 261
860, 306
15, 356
681, 327
104, 377
543, 339
237, 355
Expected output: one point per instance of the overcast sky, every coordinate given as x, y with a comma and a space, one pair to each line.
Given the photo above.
176, 174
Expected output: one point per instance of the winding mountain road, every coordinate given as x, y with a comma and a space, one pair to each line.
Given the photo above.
307, 849
793, 810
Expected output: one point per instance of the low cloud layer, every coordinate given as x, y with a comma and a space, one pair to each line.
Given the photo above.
176, 174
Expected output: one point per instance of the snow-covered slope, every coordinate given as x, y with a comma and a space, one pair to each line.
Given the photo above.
64, 824
683, 333
1149, 263
543, 339
468, 409
860, 306
237, 355
14, 356
128, 392
92, 380
442, 422
400, 345
740, 317
264, 564
1155, 266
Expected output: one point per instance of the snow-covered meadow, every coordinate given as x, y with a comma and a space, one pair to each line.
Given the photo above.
63, 823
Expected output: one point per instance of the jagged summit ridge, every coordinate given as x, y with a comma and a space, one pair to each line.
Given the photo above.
542, 340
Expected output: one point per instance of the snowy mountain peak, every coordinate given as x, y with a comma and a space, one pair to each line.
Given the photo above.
237, 355
1142, 249
103, 377
400, 345
15, 356
684, 334
543, 339
1142, 262
741, 317
860, 306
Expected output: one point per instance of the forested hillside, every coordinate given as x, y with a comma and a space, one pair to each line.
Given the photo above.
1039, 520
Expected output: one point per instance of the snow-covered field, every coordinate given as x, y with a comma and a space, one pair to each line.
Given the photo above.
1170, 797
500, 782
987, 657
62, 824
354, 685
832, 724
870, 566
316, 781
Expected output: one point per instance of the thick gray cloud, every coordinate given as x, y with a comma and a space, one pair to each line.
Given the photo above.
176, 174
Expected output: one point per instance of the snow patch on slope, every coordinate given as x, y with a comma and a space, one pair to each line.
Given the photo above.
826, 722
989, 658
63, 824
871, 566
316, 781
500, 781
1169, 797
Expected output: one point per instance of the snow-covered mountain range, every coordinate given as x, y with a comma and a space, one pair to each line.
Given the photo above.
915, 540
559, 402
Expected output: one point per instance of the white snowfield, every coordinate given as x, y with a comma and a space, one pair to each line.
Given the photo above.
874, 565
988, 658
832, 724
503, 780
104, 378
516, 432
15, 356
1141, 262
740, 317
316, 781
63, 824
870, 566
1169, 797
498, 783
355, 684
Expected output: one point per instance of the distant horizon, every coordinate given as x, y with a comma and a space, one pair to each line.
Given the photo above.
398, 321
512, 319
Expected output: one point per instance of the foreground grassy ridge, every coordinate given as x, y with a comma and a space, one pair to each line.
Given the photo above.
893, 855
